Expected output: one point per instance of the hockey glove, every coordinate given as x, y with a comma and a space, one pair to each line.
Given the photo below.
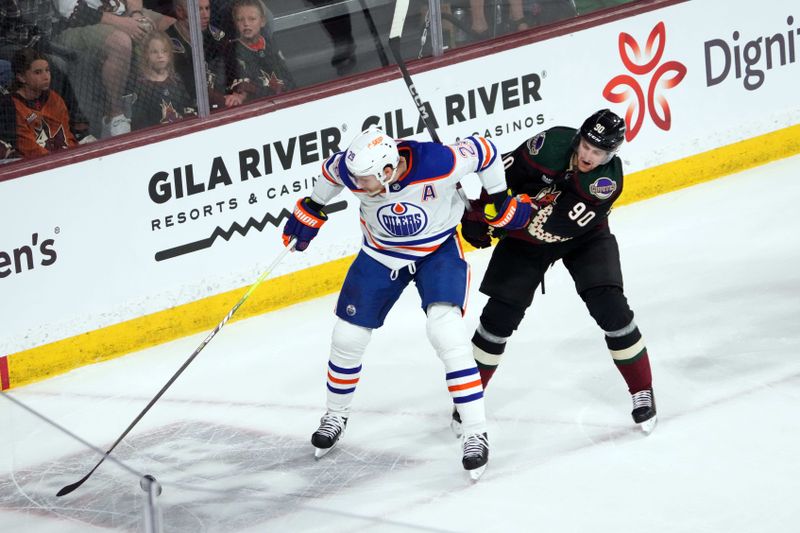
515, 213
474, 228
304, 224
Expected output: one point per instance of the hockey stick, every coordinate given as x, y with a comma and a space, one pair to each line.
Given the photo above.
395, 32
67, 432
69, 488
374, 31
425, 112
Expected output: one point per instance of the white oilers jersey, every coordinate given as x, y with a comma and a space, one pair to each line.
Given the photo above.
423, 207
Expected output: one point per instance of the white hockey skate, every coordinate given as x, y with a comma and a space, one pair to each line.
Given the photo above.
476, 454
330, 430
644, 410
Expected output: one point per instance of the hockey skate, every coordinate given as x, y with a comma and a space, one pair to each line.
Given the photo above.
328, 433
455, 423
644, 410
476, 454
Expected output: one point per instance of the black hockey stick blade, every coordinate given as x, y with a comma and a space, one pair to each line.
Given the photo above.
69, 488
203, 344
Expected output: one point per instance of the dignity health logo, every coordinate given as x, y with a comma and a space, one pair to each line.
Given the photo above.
661, 77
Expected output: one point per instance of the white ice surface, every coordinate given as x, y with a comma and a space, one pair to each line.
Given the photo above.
712, 274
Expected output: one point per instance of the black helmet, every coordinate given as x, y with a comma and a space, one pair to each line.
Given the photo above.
604, 130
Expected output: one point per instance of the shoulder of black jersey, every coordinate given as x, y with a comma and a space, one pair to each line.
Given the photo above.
548, 151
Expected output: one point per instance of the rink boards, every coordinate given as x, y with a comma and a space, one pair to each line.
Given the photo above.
136, 248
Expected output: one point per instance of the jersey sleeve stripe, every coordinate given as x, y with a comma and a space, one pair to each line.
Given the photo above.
491, 152
326, 172
481, 156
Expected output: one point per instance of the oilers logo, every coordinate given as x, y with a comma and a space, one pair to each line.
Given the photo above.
402, 219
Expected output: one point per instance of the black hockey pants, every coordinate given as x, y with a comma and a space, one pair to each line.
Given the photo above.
517, 268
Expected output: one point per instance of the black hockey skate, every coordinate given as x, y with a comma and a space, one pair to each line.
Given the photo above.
455, 423
476, 454
644, 410
328, 433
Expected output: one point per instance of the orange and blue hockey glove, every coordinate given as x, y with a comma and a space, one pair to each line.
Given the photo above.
515, 212
304, 224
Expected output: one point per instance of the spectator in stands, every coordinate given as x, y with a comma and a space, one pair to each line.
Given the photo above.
34, 119
29, 24
161, 96
222, 18
254, 67
213, 45
104, 32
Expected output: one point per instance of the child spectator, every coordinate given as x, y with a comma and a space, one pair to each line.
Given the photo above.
104, 32
29, 24
34, 119
161, 96
255, 68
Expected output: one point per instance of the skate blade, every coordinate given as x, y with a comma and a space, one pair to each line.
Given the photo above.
321, 452
476, 474
456, 427
648, 426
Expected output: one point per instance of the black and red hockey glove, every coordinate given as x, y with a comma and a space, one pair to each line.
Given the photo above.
474, 228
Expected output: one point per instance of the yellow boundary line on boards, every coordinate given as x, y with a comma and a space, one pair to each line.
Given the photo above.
107, 343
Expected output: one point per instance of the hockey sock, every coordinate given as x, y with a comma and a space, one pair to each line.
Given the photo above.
445, 329
348, 344
630, 356
487, 350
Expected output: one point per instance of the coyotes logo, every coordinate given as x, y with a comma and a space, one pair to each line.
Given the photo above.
50, 141
271, 80
547, 196
168, 113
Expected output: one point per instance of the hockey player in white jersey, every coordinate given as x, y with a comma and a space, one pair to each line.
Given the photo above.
409, 210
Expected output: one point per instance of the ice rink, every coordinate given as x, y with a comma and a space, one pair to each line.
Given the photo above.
712, 274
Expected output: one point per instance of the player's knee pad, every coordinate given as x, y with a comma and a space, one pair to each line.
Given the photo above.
498, 321
348, 343
609, 308
500, 318
446, 331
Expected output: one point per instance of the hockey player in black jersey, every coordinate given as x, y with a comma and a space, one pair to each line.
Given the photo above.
573, 177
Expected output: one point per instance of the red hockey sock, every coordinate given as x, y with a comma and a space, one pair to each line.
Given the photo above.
486, 373
636, 372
